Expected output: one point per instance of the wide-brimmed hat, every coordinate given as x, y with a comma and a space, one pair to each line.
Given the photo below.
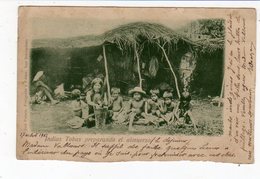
38, 75
167, 94
137, 90
97, 80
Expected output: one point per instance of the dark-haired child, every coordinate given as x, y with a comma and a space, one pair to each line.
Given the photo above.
168, 107
116, 105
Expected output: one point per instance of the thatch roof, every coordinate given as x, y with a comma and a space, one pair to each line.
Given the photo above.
128, 35
124, 36
211, 45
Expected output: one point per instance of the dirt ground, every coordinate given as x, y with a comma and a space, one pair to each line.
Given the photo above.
52, 119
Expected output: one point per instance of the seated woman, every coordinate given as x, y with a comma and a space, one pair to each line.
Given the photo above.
41, 90
95, 101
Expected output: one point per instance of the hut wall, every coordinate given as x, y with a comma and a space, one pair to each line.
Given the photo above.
120, 67
208, 74
54, 62
70, 65
66, 66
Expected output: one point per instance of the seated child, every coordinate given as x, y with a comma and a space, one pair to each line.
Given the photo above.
116, 104
77, 106
136, 107
153, 104
168, 107
184, 108
154, 107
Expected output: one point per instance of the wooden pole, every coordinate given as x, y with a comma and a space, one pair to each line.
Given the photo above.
106, 70
174, 75
138, 66
221, 93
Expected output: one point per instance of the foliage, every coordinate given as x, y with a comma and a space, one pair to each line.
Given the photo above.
213, 27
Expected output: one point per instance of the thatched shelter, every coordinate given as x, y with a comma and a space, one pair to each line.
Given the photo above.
128, 52
136, 37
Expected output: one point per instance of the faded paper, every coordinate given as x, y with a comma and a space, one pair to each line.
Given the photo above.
45, 140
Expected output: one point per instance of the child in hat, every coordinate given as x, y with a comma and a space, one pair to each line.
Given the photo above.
136, 107
116, 104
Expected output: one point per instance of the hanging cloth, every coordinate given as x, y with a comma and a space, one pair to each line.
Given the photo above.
153, 67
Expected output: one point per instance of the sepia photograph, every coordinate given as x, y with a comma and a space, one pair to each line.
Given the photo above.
129, 89
127, 75
113, 84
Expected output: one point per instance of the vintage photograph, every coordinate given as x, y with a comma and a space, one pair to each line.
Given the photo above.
127, 76
125, 84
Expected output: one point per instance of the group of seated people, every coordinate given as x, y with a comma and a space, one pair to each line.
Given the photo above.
137, 111
95, 108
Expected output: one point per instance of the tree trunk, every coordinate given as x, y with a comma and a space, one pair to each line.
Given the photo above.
174, 75
106, 70
138, 66
222, 92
